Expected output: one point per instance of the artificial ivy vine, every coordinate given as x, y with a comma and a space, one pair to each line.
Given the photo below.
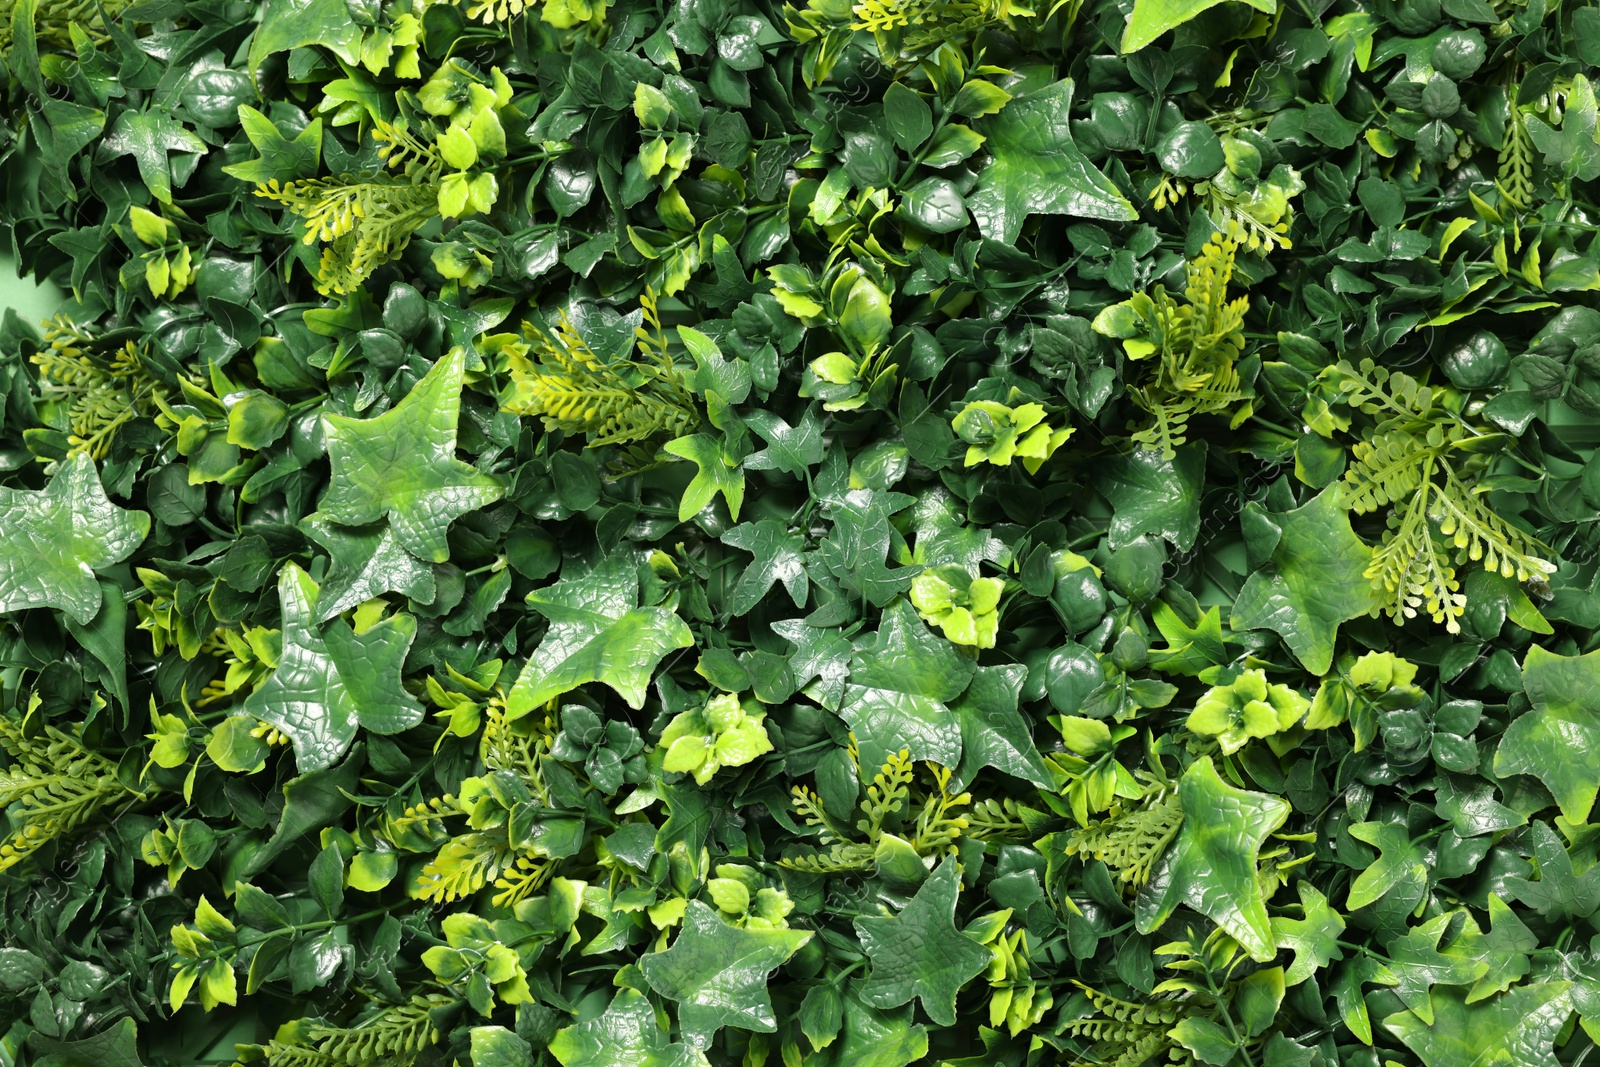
712, 532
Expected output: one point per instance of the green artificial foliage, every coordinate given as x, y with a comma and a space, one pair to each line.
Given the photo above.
827, 533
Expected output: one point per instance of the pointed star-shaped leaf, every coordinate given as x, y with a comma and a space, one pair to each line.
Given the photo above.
820, 661
791, 449
919, 953
1313, 939
331, 681
993, 732
288, 24
627, 1035
148, 136
1503, 950
1346, 988
403, 465
1191, 646
1417, 962
779, 557
1400, 860
719, 473
1315, 580
1558, 739
597, 633
1035, 168
1573, 149
367, 561
1518, 1028
718, 973
1211, 866
900, 688
52, 541
1559, 894
278, 157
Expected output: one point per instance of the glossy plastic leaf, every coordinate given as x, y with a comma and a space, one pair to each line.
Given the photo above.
1211, 866
718, 973
626, 1035
1558, 740
1314, 580
1036, 169
900, 689
402, 465
1515, 1029
331, 681
53, 540
919, 953
597, 633
1152, 18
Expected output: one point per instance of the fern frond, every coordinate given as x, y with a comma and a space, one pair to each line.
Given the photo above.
1130, 841
570, 387
53, 788
887, 794
1387, 467
362, 224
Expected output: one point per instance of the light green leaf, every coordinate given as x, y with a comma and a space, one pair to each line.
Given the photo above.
719, 473
1314, 939
627, 1035
1035, 168
402, 465
1515, 1029
718, 973
1152, 18
330, 682
899, 691
597, 634
1211, 866
1557, 740
287, 24
1399, 860
919, 953
1314, 580
53, 540
365, 562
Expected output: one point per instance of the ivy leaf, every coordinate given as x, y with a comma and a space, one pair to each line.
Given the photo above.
280, 159
1191, 647
1558, 740
1155, 496
1347, 982
328, 683
1574, 148
53, 540
627, 1035
779, 557
791, 449
900, 686
719, 473
1559, 894
871, 1037
1503, 950
1399, 860
993, 732
365, 562
1152, 18
861, 540
1313, 939
403, 465
1417, 962
820, 661
287, 24
919, 953
1314, 580
718, 973
597, 634
1035, 168
1515, 1029
1211, 866
148, 136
